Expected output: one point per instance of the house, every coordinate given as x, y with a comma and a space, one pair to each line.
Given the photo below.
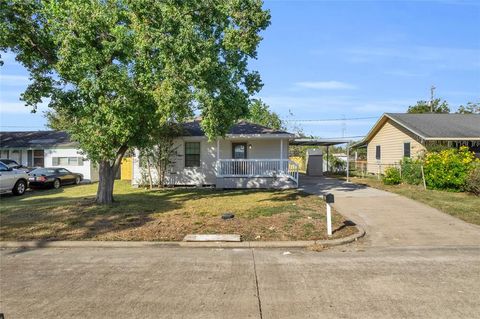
46, 149
249, 156
398, 135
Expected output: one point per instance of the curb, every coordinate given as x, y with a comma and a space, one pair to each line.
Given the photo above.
169, 244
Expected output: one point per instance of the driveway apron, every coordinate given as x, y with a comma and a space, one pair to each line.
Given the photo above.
390, 219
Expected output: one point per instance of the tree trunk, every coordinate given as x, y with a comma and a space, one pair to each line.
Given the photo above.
106, 178
105, 183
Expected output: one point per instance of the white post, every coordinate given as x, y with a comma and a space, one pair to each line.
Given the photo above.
329, 219
281, 154
348, 161
218, 156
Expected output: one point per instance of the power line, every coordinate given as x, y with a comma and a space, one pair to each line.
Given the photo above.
331, 120
20, 126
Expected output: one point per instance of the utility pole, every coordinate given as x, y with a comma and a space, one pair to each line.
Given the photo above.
432, 90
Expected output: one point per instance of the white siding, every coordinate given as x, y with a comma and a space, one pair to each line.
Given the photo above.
206, 173
88, 170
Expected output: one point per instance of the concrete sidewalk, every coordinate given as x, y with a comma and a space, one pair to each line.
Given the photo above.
240, 283
393, 220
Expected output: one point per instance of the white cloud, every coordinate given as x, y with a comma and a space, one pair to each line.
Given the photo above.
14, 80
405, 73
441, 57
19, 108
325, 85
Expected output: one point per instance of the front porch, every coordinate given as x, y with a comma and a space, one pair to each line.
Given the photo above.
255, 163
257, 173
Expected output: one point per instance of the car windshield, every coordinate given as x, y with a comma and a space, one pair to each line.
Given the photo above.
9, 163
43, 171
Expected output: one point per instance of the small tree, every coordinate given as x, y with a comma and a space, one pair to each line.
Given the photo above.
260, 113
436, 106
470, 108
163, 150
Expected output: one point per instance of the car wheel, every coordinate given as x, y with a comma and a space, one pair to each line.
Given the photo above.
20, 188
56, 183
77, 180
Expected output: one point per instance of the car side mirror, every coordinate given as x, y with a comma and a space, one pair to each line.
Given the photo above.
10, 169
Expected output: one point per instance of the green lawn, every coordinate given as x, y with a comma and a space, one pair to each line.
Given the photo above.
70, 213
461, 205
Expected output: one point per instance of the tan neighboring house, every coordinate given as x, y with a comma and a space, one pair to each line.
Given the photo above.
399, 135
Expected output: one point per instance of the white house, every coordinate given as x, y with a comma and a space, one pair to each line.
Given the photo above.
46, 149
250, 156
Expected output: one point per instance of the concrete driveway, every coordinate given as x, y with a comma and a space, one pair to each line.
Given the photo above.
240, 283
393, 220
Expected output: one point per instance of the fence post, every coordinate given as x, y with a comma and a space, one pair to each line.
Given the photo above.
423, 178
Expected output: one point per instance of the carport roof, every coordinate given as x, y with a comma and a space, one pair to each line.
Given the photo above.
319, 141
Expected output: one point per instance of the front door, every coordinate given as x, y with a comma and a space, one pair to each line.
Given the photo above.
239, 150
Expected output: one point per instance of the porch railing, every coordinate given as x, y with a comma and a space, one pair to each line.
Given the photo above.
258, 168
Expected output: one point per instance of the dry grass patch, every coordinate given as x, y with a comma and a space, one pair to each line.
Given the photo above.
158, 215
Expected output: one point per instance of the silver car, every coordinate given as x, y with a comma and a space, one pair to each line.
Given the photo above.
12, 180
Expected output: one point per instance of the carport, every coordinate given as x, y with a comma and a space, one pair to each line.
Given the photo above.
325, 142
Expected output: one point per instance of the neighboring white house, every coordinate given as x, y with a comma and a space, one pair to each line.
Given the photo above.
250, 156
46, 149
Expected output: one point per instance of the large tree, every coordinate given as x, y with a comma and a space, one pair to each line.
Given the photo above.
260, 113
114, 70
435, 106
470, 108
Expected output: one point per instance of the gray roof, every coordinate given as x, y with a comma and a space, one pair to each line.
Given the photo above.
439, 126
43, 139
241, 128
35, 139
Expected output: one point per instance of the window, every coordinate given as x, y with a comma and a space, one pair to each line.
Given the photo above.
378, 154
67, 161
239, 150
406, 149
38, 158
192, 154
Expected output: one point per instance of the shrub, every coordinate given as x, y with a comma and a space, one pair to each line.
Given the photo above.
392, 176
448, 169
411, 171
473, 180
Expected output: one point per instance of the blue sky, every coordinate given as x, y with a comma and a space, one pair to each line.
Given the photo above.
324, 60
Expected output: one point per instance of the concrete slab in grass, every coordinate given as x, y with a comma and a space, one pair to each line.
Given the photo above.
212, 237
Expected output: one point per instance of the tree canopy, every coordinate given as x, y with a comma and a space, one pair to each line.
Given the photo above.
470, 108
115, 70
437, 106
260, 113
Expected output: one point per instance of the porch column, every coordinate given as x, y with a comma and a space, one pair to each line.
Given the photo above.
281, 149
218, 157
281, 155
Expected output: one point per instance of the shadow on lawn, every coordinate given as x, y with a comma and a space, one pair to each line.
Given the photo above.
79, 218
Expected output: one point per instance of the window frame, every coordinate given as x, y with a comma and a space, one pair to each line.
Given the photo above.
409, 149
38, 160
192, 159
70, 161
378, 152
